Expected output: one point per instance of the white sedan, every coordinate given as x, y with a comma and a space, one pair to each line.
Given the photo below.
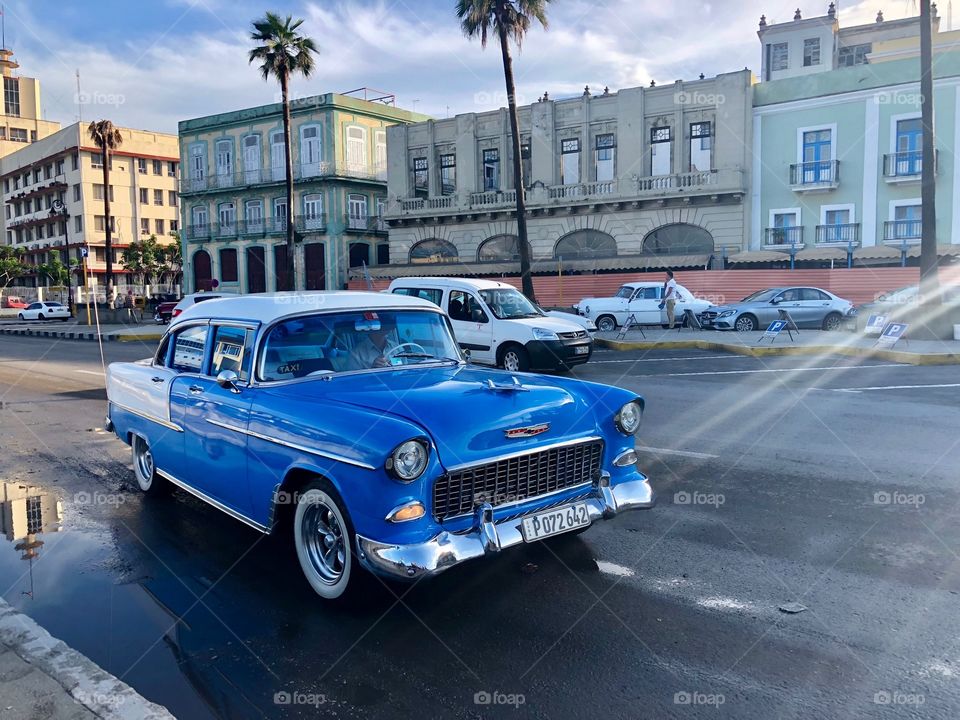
641, 301
44, 311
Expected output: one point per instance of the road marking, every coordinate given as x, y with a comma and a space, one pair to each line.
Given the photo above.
682, 453
891, 387
778, 370
98, 373
668, 359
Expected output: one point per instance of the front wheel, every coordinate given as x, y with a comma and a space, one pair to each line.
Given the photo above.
41, 317
324, 539
606, 323
515, 359
746, 323
832, 321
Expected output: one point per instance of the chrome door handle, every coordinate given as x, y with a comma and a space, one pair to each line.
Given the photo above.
157, 379
196, 389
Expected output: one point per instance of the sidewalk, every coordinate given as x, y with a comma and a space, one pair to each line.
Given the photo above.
147, 332
805, 342
41, 678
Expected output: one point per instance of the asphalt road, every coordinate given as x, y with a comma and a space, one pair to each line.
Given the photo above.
831, 484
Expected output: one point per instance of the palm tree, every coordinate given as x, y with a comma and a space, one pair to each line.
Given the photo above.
282, 54
107, 138
508, 19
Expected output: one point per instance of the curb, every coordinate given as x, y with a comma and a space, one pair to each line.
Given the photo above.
898, 356
85, 681
80, 335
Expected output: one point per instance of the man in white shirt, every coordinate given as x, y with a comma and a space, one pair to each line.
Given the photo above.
670, 297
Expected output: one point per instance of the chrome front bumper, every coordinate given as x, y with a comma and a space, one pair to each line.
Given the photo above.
409, 562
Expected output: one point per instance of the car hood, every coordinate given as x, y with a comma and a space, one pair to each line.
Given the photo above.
464, 416
738, 307
557, 325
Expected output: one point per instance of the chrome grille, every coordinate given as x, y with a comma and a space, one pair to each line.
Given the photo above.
578, 335
516, 479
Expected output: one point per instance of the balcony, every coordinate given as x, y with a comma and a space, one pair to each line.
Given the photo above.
904, 167
302, 172
784, 237
844, 235
366, 224
902, 232
814, 176
308, 224
682, 187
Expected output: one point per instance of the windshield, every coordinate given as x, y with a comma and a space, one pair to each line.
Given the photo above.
625, 292
761, 296
332, 343
509, 304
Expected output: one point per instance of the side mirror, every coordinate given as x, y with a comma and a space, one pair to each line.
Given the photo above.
775, 301
227, 379
466, 354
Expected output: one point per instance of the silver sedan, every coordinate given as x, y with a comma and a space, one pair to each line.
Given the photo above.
809, 308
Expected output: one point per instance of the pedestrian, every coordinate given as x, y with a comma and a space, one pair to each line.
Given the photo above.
670, 297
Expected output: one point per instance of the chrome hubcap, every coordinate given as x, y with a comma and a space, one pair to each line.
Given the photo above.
144, 463
511, 361
323, 538
744, 325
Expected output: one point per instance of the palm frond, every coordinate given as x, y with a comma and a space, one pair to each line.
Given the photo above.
283, 52
482, 18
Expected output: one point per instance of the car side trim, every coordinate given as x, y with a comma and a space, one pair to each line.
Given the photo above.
293, 446
147, 416
216, 503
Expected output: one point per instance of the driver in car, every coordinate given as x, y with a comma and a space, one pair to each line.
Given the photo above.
372, 347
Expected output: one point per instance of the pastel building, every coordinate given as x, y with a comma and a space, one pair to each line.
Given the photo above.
234, 208
837, 142
21, 122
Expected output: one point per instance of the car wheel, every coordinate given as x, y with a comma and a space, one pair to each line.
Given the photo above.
145, 470
65, 319
606, 323
515, 359
40, 317
746, 323
20, 316
324, 539
832, 321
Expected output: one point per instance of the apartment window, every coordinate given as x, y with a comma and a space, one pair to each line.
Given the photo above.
76, 192
853, 55
253, 214
357, 149
7, 211
37, 175
144, 196
18, 134
280, 212
313, 211
811, 52
700, 146
380, 152
491, 169
96, 160
357, 212
98, 192
40, 232
660, 151
228, 270
817, 156
570, 161
909, 144
161, 226
59, 167
11, 96
605, 152
171, 169
200, 217
174, 226
172, 198
142, 166
908, 222
448, 174
33, 136
48, 172
526, 160
158, 197
100, 226
27, 206
6, 185
75, 161
779, 57
144, 226
78, 223
158, 167
421, 170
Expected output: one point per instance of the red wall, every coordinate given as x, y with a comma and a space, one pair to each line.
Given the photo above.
859, 285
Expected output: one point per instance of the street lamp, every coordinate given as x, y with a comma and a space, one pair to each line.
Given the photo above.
59, 209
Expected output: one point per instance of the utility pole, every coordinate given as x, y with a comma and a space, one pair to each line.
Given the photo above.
929, 285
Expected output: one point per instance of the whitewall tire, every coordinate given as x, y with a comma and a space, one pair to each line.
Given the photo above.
324, 539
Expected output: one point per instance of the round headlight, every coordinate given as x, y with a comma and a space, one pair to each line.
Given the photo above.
408, 461
629, 417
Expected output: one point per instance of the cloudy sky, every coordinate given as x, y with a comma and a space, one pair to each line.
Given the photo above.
150, 63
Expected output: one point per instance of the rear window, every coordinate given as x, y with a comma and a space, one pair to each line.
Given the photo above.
431, 294
201, 298
188, 349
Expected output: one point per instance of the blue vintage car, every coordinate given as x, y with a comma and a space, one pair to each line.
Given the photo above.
357, 415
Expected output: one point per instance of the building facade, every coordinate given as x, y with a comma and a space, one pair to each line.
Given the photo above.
21, 122
837, 142
234, 198
640, 178
68, 167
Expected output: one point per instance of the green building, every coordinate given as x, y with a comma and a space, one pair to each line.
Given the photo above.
233, 195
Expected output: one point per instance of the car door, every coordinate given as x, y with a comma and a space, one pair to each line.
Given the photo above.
32, 311
214, 418
788, 300
472, 326
815, 305
644, 305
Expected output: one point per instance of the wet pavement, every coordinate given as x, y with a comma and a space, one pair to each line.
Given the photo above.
780, 482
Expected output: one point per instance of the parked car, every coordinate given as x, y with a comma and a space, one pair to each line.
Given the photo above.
640, 299
12, 302
500, 326
356, 416
186, 302
164, 312
586, 323
44, 311
809, 308
900, 306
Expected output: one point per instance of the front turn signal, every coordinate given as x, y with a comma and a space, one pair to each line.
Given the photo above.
408, 511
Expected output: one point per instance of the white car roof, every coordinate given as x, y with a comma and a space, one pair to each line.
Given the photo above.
644, 284
267, 307
475, 284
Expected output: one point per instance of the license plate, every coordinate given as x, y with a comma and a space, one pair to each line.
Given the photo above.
556, 521
582, 350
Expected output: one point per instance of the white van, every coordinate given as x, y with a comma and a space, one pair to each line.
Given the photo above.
500, 326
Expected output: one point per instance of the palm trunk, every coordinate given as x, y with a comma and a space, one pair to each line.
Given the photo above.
106, 218
288, 158
526, 280
928, 188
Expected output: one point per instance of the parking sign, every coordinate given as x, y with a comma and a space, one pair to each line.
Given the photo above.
876, 323
892, 333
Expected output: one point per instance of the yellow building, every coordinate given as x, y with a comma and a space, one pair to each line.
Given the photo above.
67, 166
21, 122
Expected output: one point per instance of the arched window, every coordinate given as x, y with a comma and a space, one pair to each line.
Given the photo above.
433, 250
202, 271
499, 248
585, 244
678, 239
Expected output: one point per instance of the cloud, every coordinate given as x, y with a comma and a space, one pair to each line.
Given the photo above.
197, 64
